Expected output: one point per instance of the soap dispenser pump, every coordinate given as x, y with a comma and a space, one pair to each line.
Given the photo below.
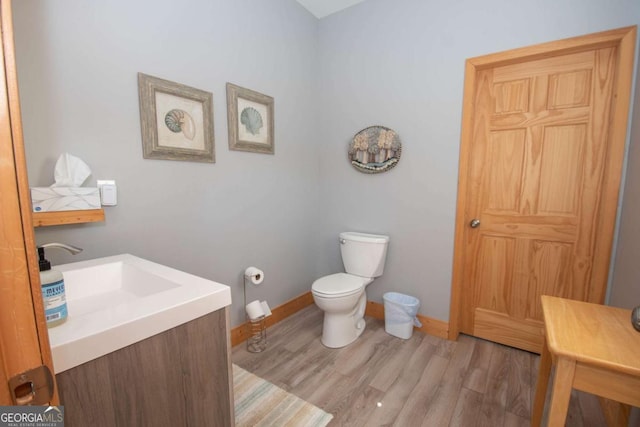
52, 281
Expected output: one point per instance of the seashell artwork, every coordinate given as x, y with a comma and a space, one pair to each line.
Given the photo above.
180, 121
375, 149
252, 120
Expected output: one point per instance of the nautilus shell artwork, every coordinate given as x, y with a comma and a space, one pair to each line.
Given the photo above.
180, 121
252, 120
375, 149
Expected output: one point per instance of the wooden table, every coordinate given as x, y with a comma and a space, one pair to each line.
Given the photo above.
594, 349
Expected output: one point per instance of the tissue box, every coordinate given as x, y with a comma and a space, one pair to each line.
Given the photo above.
47, 199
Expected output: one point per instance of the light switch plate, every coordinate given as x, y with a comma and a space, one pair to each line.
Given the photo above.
108, 192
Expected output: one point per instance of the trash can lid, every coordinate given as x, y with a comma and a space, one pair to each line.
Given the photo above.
339, 284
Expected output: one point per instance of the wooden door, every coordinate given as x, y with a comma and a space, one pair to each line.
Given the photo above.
540, 172
24, 342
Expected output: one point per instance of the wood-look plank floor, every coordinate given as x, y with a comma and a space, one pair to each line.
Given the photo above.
422, 381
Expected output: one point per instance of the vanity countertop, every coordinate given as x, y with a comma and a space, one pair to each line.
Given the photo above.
119, 300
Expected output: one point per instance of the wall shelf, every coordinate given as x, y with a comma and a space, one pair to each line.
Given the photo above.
44, 219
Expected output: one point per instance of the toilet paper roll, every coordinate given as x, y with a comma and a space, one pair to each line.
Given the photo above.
255, 274
254, 310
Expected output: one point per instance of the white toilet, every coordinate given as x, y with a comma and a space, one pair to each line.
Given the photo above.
342, 296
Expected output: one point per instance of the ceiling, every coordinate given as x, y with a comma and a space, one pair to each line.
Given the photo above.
322, 8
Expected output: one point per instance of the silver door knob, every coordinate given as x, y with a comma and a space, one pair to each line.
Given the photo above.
475, 223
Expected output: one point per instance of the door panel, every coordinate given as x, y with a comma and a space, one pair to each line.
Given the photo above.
505, 171
569, 89
537, 164
561, 167
551, 267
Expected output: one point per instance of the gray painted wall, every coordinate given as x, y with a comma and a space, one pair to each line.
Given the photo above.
394, 63
401, 64
78, 63
625, 287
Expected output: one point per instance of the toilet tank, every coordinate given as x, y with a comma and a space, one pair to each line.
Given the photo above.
363, 254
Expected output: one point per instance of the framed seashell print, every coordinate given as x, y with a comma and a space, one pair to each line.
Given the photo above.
176, 121
250, 119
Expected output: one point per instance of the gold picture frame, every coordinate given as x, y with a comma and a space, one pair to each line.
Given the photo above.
250, 119
176, 121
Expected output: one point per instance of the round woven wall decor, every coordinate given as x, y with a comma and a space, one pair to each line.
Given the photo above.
375, 149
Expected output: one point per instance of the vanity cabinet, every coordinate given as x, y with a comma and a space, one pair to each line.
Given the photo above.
179, 377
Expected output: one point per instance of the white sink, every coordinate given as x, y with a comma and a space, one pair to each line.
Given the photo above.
116, 301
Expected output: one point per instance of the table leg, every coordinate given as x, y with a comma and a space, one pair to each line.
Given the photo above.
541, 387
561, 393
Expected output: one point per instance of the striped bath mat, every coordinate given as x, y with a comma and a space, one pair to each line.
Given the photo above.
260, 403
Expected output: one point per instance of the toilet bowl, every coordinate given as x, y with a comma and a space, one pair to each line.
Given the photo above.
343, 299
342, 296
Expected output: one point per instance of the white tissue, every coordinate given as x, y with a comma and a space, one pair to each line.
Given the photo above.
70, 171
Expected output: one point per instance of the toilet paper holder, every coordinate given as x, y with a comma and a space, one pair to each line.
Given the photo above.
256, 313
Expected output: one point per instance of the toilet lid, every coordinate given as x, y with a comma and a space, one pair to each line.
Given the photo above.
338, 284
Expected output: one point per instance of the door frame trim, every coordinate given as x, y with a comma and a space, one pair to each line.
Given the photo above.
24, 339
624, 39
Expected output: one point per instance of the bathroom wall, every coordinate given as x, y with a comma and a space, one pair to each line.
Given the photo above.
624, 290
625, 287
401, 64
78, 63
394, 63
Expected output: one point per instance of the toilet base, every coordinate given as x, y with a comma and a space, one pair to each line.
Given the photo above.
341, 329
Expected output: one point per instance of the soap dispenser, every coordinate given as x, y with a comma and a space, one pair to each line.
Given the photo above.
52, 281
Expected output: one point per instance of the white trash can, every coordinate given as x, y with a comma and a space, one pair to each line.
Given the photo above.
400, 314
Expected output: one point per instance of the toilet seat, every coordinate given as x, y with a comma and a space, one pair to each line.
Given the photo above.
339, 285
